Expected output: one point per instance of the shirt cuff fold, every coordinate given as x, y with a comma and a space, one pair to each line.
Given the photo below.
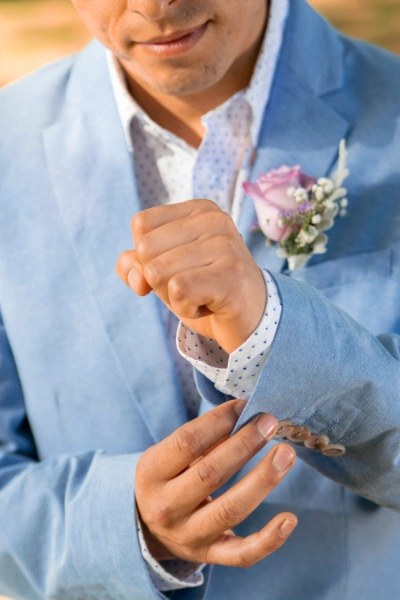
234, 374
170, 575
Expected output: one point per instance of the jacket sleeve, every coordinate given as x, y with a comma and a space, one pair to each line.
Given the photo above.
327, 372
68, 523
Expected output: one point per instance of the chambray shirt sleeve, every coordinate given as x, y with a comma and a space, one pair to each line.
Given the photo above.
68, 523
234, 374
327, 372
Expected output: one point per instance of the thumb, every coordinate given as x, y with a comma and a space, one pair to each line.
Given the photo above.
130, 270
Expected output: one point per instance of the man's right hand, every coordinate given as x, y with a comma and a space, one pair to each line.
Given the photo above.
175, 480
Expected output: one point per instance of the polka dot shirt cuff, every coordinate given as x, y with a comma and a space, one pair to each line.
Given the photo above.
170, 574
235, 374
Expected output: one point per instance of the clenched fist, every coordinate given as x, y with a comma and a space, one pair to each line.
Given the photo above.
193, 257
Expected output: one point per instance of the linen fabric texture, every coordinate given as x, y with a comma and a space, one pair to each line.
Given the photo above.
80, 398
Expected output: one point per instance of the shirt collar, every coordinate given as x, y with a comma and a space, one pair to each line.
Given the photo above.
257, 94
259, 90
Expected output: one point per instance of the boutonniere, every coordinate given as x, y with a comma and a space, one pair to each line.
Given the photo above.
293, 209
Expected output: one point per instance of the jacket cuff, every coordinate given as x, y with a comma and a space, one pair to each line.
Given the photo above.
103, 533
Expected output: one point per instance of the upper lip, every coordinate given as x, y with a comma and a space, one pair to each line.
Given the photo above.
171, 37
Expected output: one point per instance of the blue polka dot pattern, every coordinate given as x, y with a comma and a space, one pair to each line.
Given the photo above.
244, 365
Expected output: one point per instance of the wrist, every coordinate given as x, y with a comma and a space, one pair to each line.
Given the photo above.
246, 320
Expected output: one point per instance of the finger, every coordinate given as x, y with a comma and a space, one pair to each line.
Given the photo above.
150, 219
171, 456
216, 468
130, 270
206, 286
183, 231
200, 253
234, 551
230, 509
210, 449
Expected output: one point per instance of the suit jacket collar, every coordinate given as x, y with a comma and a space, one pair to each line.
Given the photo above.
92, 175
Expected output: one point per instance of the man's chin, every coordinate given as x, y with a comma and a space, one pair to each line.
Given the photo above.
181, 84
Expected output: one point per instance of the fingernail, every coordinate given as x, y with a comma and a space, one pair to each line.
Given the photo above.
133, 278
287, 528
283, 458
239, 407
266, 424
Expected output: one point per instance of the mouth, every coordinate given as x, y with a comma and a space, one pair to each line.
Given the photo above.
175, 43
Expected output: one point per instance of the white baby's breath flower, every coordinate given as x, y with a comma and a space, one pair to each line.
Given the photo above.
290, 191
306, 235
326, 184
280, 223
319, 193
300, 260
343, 212
300, 195
344, 203
316, 219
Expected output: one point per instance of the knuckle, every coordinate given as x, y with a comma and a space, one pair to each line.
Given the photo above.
244, 561
138, 224
160, 515
142, 248
248, 445
229, 245
124, 263
267, 479
153, 272
176, 288
225, 246
210, 473
230, 226
268, 549
207, 205
186, 442
219, 220
144, 473
229, 514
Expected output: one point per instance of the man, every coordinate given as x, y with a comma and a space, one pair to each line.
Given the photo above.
118, 480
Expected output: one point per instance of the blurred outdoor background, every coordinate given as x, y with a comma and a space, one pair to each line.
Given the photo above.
33, 32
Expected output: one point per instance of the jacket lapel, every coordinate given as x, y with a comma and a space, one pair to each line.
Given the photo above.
93, 178
299, 127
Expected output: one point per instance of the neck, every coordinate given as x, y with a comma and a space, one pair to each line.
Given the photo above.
182, 114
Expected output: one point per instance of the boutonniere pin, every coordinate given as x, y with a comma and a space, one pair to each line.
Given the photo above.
293, 209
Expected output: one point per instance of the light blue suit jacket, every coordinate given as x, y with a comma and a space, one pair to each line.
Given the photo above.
86, 379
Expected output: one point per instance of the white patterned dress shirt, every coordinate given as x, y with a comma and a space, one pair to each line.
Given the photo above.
167, 171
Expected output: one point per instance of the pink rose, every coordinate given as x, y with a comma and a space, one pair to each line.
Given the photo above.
270, 197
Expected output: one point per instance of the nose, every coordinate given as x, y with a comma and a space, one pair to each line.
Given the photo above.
152, 10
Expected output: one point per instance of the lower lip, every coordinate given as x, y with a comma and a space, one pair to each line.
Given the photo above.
177, 47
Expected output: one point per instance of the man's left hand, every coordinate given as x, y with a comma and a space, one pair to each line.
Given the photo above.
193, 257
